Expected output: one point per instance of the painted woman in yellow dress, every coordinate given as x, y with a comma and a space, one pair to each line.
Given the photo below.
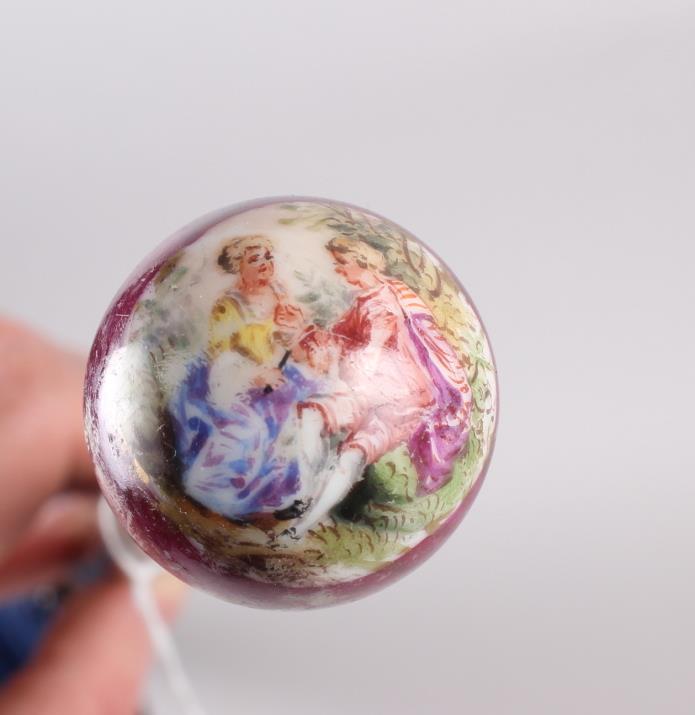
228, 431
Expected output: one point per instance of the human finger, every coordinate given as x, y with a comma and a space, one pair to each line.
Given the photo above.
63, 532
42, 447
96, 657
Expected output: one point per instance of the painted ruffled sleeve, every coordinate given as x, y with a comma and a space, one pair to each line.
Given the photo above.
228, 331
225, 322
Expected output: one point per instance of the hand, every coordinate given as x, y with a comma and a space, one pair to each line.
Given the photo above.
301, 348
96, 655
299, 353
288, 316
269, 376
321, 358
321, 351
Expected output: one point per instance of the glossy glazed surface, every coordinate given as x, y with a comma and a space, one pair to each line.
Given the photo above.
291, 403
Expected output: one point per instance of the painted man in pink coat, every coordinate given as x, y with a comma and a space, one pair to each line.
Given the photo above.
395, 379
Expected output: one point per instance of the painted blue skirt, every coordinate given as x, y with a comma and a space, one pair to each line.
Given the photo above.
233, 460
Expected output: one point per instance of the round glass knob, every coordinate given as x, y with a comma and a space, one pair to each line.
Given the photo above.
291, 403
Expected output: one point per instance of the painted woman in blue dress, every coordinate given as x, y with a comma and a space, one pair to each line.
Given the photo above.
234, 437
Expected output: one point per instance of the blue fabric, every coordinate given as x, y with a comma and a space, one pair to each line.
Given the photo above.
22, 625
24, 621
231, 458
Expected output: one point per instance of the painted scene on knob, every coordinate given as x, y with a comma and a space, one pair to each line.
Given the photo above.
291, 403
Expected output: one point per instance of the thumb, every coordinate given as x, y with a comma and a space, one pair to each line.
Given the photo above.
96, 657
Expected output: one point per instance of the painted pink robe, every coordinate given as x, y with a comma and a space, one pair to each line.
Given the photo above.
399, 380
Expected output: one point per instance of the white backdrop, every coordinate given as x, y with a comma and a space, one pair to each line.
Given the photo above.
545, 149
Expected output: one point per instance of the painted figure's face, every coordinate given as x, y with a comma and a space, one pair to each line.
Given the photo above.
257, 267
346, 266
